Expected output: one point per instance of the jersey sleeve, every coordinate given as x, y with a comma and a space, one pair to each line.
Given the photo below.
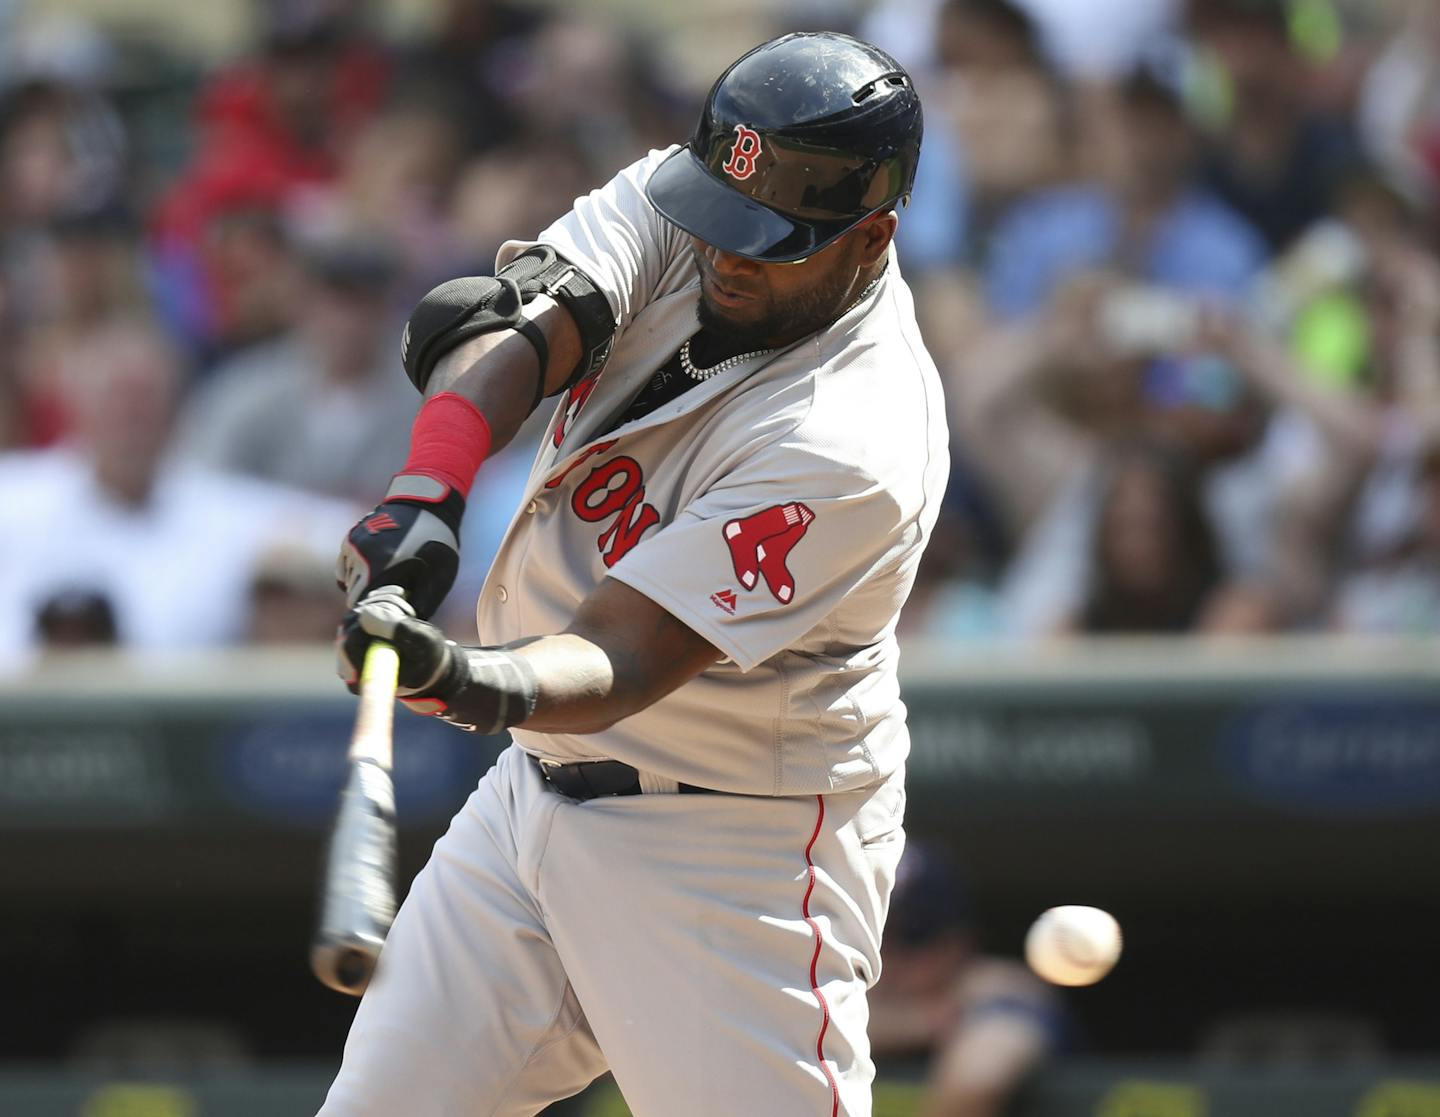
615, 236
761, 558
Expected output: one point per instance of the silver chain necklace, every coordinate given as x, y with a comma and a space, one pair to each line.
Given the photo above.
730, 362
706, 373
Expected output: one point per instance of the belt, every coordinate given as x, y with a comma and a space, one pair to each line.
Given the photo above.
594, 779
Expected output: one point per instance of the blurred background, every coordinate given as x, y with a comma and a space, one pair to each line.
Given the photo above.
1172, 651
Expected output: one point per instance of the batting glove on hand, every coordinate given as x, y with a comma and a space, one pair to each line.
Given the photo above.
426, 656
411, 540
479, 689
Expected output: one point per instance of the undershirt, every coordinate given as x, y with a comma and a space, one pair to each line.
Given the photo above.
668, 383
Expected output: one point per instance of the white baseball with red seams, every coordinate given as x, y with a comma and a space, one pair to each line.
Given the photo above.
1073, 945
779, 508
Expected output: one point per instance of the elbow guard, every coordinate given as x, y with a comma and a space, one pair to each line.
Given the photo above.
461, 309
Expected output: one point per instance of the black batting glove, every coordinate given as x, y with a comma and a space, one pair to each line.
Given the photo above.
410, 540
479, 689
426, 656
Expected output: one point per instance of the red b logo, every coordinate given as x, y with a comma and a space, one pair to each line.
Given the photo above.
742, 155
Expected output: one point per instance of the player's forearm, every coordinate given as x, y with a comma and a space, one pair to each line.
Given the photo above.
563, 683
580, 687
496, 371
621, 653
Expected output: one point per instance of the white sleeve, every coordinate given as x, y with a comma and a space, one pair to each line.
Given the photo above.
615, 236
762, 557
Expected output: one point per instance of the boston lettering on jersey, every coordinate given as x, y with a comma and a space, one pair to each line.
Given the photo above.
614, 490
574, 401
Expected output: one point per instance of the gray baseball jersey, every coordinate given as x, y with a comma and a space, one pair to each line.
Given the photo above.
712, 951
778, 508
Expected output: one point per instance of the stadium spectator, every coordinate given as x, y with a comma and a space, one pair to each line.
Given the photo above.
1357, 389
1155, 566
293, 597
1398, 114
1272, 156
81, 271
394, 182
73, 619
63, 146
1156, 224
169, 548
268, 129
983, 1024
995, 129
518, 186
587, 88
473, 57
316, 408
1398, 592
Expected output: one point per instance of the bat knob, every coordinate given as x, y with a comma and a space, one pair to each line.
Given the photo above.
353, 968
346, 969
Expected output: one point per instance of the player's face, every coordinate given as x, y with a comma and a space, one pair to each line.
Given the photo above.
757, 305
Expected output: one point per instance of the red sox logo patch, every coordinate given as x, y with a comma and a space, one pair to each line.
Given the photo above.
741, 164
760, 544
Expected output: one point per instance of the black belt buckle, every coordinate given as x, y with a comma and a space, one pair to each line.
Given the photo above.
590, 779
598, 779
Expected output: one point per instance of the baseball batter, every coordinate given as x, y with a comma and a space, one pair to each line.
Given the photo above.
679, 870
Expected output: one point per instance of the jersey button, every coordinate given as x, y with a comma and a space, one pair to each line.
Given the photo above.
530, 508
502, 593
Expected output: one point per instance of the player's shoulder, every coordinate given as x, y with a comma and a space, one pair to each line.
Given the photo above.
865, 405
877, 372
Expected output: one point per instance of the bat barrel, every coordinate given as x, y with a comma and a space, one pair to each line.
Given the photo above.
358, 904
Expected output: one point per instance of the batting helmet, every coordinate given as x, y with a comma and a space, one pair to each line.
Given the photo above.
800, 140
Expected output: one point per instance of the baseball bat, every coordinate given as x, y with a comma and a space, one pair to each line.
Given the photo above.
357, 901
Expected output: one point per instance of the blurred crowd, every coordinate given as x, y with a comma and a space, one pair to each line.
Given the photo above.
1174, 258
1176, 262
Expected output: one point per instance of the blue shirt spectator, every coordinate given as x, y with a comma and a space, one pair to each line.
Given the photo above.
1198, 245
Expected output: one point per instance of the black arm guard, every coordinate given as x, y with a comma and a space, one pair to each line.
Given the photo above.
484, 690
458, 310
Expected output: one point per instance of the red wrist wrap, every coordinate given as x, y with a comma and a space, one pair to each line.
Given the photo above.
449, 440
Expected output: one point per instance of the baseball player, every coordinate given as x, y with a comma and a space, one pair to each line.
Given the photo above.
680, 868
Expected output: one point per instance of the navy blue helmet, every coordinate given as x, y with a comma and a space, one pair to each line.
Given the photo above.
800, 140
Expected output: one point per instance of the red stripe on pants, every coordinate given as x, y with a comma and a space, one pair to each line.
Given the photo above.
815, 962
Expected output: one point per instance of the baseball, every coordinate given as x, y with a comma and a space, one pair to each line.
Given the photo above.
1073, 945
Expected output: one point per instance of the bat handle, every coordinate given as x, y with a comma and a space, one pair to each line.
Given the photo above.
375, 718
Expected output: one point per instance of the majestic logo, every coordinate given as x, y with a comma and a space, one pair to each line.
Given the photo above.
725, 599
760, 544
381, 521
741, 164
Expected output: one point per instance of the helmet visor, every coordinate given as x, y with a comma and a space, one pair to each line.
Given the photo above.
689, 195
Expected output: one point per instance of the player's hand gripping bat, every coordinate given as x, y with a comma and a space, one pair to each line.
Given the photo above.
357, 901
